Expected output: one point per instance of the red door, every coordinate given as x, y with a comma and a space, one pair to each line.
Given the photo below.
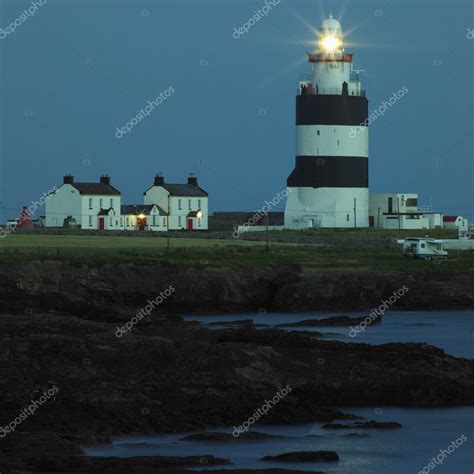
101, 223
190, 224
141, 223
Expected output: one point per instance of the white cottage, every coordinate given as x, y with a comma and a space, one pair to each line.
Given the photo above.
144, 217
186, 205
92, 205
455, 222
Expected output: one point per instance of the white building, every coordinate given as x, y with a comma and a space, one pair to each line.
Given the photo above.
329, 184
401, 211
455, 222
144, 217
185, 205
92, 205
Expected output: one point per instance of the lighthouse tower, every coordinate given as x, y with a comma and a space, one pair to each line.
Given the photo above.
329, 184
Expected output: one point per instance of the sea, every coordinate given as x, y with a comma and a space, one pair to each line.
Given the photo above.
425, 433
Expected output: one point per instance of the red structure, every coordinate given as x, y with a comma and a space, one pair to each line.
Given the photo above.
25, 219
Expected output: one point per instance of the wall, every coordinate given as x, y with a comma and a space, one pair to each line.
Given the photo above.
65, 202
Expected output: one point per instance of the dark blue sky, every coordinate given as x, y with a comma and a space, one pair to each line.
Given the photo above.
78, 69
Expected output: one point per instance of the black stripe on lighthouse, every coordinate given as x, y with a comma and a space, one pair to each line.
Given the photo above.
331, 110
330, 172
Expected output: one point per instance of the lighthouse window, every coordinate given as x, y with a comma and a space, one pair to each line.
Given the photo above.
318, 133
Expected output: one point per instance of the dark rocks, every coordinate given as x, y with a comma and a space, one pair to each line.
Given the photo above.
241, 322
164, 461
102, 291
377, 425
304, 456
167, 375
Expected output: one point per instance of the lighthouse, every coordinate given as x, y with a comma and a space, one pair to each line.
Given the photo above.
329, 184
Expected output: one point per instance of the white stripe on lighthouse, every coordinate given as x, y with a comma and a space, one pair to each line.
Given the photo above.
332, 140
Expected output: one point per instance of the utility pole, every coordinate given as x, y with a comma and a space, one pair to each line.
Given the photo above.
355, 213
268, 245
398, 211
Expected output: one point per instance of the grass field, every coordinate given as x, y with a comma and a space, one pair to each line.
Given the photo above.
106, 242
219, 253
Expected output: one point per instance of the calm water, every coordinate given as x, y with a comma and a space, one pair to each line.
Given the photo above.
406, 450
452, 331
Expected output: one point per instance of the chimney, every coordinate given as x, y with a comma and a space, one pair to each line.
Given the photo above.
68, 179
159, 180
192, 180
104, 179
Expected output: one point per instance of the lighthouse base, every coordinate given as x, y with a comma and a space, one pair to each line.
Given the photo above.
327, 208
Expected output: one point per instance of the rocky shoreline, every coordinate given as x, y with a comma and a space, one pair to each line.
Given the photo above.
86, 288
58, 328
168, 375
